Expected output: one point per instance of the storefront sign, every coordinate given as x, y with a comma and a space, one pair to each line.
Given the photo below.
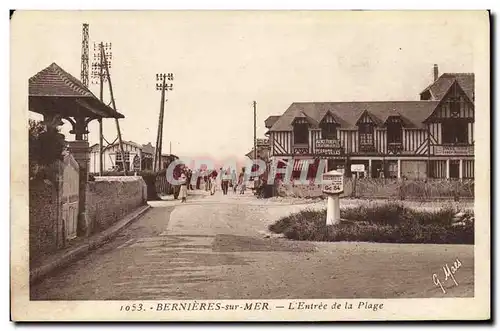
453, 150
333, 182
262, 142
357, 168
328, 151
327, 144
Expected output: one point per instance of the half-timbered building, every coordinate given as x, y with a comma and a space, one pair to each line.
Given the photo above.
430, 138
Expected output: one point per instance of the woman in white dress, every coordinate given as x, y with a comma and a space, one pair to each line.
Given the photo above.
213, 183
183, 189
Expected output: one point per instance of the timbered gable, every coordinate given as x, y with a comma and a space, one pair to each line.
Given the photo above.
455, 104
328, 118
366, 118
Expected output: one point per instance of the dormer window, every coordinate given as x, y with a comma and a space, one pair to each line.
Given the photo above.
300, 132
394, 130
366, 135
328, 127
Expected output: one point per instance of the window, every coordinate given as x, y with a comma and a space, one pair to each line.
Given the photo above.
454, 131
301, 133
394, 131
119, 162
328, 130
366, 134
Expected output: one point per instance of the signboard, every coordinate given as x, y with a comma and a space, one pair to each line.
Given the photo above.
453, 150
328, 151
357, 168
333, 182
262, 142
327, 144
137, 162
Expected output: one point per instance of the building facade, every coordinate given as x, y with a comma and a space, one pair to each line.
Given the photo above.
430, 138
137, 157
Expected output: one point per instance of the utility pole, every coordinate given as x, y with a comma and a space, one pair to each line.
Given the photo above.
108, 77
162, 86
99, 77
255, 130
170, 151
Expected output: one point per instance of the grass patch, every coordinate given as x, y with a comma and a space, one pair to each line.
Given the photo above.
386, 223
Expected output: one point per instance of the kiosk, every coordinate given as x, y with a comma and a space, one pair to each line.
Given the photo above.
333, 186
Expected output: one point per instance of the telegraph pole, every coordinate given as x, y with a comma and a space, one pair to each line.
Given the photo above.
99, 77
108, 77
162, 86
255, 130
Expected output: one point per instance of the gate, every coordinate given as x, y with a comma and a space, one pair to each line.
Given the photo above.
70, 197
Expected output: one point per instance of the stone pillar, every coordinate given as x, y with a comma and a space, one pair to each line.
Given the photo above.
80, 151
399, 168
369, 172
448, 169
460, 169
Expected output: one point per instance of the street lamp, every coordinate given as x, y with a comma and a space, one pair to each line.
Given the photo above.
161, 85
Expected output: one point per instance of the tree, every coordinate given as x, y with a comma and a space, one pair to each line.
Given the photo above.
46, 145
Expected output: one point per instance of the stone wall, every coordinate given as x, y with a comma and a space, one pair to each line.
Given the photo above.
109, 199
43, 218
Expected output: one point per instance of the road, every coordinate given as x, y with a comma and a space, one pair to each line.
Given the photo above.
216, 247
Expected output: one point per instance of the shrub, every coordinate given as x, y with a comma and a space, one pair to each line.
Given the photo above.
46, 146
388, 223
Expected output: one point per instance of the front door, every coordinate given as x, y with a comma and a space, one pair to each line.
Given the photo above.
454, 169
377, 168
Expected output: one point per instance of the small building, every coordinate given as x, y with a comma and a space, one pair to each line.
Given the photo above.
137, 157
112, 158
430, 138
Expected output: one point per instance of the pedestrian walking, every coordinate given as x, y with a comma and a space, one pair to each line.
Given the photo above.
234, 181
213, 185
225, 181
241, 182
183, 189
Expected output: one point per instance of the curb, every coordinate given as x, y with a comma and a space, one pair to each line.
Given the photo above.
93, 243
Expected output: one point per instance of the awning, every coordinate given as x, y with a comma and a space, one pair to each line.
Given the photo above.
301, 164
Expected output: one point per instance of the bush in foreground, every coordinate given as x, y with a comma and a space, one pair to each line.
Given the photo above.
388, 223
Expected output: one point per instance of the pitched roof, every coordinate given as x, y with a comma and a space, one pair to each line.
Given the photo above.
413, 113
439, 88
148, 148
269, 122
54, 83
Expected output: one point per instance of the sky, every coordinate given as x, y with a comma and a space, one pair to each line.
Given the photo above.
223, 61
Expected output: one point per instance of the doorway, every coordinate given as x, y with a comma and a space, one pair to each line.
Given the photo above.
454, 169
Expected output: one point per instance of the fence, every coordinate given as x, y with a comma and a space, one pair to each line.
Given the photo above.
380, 188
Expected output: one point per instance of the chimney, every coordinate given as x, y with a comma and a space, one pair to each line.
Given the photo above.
436, 72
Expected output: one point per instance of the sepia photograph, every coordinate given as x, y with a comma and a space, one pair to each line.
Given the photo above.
250, 165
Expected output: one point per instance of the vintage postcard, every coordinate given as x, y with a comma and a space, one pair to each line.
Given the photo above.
250, 165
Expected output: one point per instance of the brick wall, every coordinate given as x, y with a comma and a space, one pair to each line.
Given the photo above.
110, 198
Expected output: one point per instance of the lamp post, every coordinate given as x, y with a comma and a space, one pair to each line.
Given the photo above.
161, 85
